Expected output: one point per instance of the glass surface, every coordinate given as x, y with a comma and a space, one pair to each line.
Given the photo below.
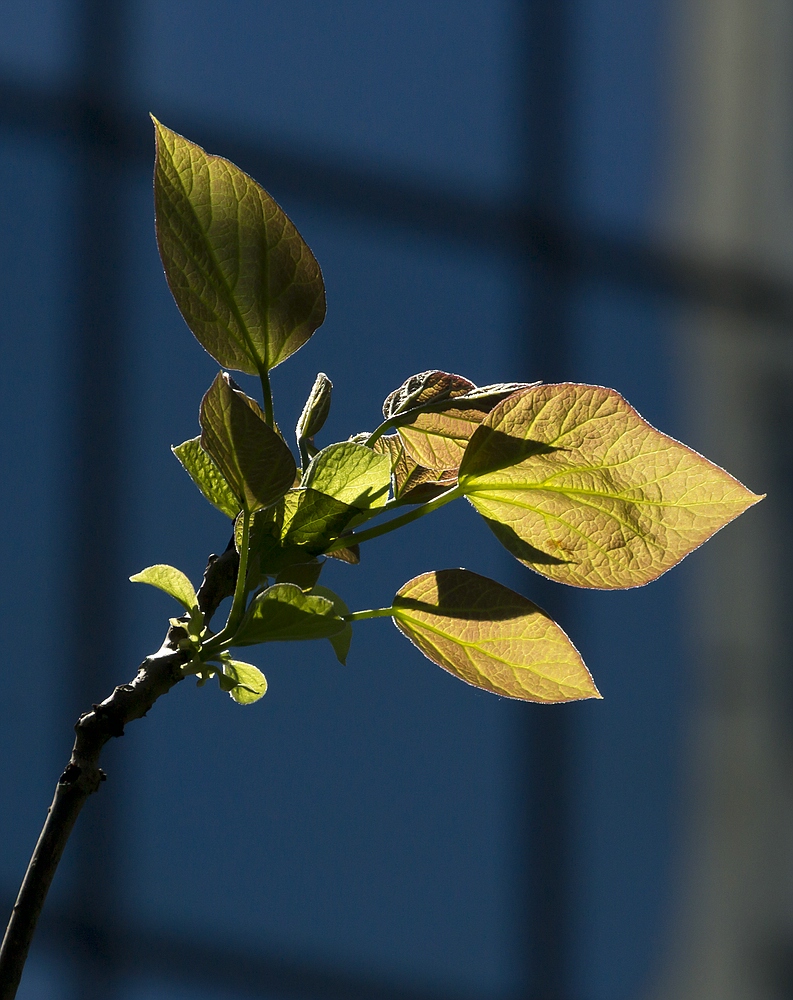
35, 475
423, 90
45, 978
618, 116
358, 815
627, 748
37, 39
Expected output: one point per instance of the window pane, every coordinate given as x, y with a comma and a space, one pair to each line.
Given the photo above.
628, 748
35, 461
619, 154
416, 87
37, 39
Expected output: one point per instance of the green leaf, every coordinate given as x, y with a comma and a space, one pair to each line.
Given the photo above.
244, 682
341, 641
491, 637
411, 482
586, 492
207, 476
352, 473
284, 613
304, 575
313, 519
294, 531
266, 554
252, 457
246, 283
173, 581
350, 555
436, 413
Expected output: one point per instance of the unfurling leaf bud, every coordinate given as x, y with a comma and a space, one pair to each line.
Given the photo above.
313, 417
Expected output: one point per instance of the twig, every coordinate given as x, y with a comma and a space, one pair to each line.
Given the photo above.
82, 777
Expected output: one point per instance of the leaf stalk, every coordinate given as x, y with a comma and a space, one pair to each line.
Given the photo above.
397, 522
267, 396
357, 616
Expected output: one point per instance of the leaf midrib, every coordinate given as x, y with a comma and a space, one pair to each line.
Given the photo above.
472, 645
226, 287
571, 491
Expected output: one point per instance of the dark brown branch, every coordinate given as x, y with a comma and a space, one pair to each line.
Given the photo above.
155, 677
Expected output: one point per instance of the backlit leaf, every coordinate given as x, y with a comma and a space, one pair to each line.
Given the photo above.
246, 283
491, 637
294, 531
303, 575
314, 519
411, 482
252, 457
426, 387
244, 682
352, 473
350, 555
173, 581
207, 476
341, 641
583, 490
437, 416
284, 613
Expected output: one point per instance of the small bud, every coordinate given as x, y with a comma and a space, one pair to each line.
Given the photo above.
314, 415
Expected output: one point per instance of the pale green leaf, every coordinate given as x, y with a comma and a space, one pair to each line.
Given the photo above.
583, 490
252, 457
491, 637
313, 519
249, 683
352, 473
284, 613
173, 581
295, 530
246, 283
207, 476
341, 641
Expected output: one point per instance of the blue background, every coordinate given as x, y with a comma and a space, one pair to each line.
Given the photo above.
374, 819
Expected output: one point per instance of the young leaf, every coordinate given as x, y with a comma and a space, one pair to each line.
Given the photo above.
424, 388
252, 457
411, 482
583, 490
491, 637
436, 420
350, 555
284, 613
341, 641
313, 417
207, 476
244, 682
246, 283
172, 581
314, 519
352, 473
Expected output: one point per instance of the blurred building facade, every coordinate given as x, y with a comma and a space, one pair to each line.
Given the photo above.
731, 201
597, 191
